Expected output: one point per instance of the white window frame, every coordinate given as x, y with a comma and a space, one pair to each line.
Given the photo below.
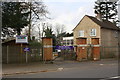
93, 32
81, 33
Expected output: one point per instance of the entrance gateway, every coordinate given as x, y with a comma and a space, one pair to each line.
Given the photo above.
47, 49
84, 51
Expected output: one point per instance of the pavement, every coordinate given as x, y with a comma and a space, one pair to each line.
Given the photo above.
36, 67
33, 67
10, 69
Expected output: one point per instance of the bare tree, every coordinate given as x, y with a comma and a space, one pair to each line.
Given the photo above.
59, 29
39, 32
38, 11
60, 32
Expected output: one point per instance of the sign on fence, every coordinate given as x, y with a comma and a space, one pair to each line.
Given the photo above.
64, 47
21, 39
26, 49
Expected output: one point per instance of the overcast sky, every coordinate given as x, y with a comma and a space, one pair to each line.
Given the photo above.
69, 12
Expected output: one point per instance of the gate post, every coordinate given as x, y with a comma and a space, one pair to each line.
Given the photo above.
81, 49
47, 48
96, 48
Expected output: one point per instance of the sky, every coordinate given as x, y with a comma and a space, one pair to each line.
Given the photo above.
69, 12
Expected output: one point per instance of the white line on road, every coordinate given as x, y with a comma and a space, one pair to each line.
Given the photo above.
111, 78
101, 64
115, 77
60, 69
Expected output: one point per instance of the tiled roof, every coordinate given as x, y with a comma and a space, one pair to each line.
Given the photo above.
7, 40
104, 24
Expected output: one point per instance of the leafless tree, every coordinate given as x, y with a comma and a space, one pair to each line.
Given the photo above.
38, 11
60, 32
59, 29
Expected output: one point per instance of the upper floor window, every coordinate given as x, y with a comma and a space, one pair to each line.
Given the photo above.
116, 34
81, 33
93, 32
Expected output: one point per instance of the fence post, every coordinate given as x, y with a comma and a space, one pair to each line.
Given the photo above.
101, 52
26, 56
7, 54
21, 52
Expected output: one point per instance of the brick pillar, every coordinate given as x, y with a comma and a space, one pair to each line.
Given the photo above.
47, 49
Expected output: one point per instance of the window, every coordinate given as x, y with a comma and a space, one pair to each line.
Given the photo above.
93, 32
116, 34
81, 33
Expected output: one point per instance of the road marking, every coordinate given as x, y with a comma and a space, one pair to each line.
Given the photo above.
101, 64
107, 64
115, 77
60, 69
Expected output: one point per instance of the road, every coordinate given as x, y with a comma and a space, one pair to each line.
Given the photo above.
94, 69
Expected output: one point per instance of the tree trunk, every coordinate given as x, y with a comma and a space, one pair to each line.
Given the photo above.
29, 34
18, 31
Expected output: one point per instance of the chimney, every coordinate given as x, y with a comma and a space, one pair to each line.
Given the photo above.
99, 17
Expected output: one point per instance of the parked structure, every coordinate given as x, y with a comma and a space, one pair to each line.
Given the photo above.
94, 32
12, 52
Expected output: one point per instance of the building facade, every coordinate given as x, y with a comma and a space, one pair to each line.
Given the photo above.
96, 32
67, 41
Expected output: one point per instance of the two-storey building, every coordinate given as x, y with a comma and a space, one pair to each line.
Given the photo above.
96, 32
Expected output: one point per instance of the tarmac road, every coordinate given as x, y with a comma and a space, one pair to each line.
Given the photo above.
98, 69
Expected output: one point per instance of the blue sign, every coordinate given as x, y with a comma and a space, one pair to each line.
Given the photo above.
26, 49
64, 47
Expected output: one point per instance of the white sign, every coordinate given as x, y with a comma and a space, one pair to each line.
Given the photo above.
21, 39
